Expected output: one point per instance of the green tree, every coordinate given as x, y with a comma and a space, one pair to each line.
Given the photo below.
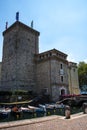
82, 73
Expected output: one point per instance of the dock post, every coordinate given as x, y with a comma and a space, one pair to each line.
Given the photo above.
67, 112
84, 108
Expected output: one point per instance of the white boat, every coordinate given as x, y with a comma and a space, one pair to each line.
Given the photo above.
54, 106
26, 109
32, 108
40, 108
59, 105
4, 112
50, 106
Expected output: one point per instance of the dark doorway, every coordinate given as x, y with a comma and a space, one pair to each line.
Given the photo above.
62, 92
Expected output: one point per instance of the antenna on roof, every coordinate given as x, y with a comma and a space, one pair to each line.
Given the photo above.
17, 16
32, 24
6, 26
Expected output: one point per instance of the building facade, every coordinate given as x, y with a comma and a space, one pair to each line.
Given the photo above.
24, 68
0, 73
52, 73
19, 47
73, 78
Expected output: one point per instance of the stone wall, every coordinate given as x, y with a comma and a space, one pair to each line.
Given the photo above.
73, 78
0, 73
43, 76
57, 84
18, 67
49, 74
57, 72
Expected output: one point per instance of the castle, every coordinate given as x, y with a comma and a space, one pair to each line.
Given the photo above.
24, 68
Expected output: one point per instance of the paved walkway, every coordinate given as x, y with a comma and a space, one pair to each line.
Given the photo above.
76, 122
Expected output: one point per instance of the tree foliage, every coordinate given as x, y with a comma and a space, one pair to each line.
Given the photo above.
82, 73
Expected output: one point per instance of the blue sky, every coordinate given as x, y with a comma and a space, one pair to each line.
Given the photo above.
62, 24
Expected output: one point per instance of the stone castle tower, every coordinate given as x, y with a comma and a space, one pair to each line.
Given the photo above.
24, 68
20, 44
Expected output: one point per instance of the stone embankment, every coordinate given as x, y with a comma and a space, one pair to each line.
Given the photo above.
76, 122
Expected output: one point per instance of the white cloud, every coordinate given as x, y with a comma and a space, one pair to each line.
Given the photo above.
71, 58
85, 60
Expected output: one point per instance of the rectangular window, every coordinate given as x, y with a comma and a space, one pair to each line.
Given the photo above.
61, 78
61, 66
74, 70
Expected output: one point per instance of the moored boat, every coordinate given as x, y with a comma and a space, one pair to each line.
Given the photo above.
4, 112
16, 112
